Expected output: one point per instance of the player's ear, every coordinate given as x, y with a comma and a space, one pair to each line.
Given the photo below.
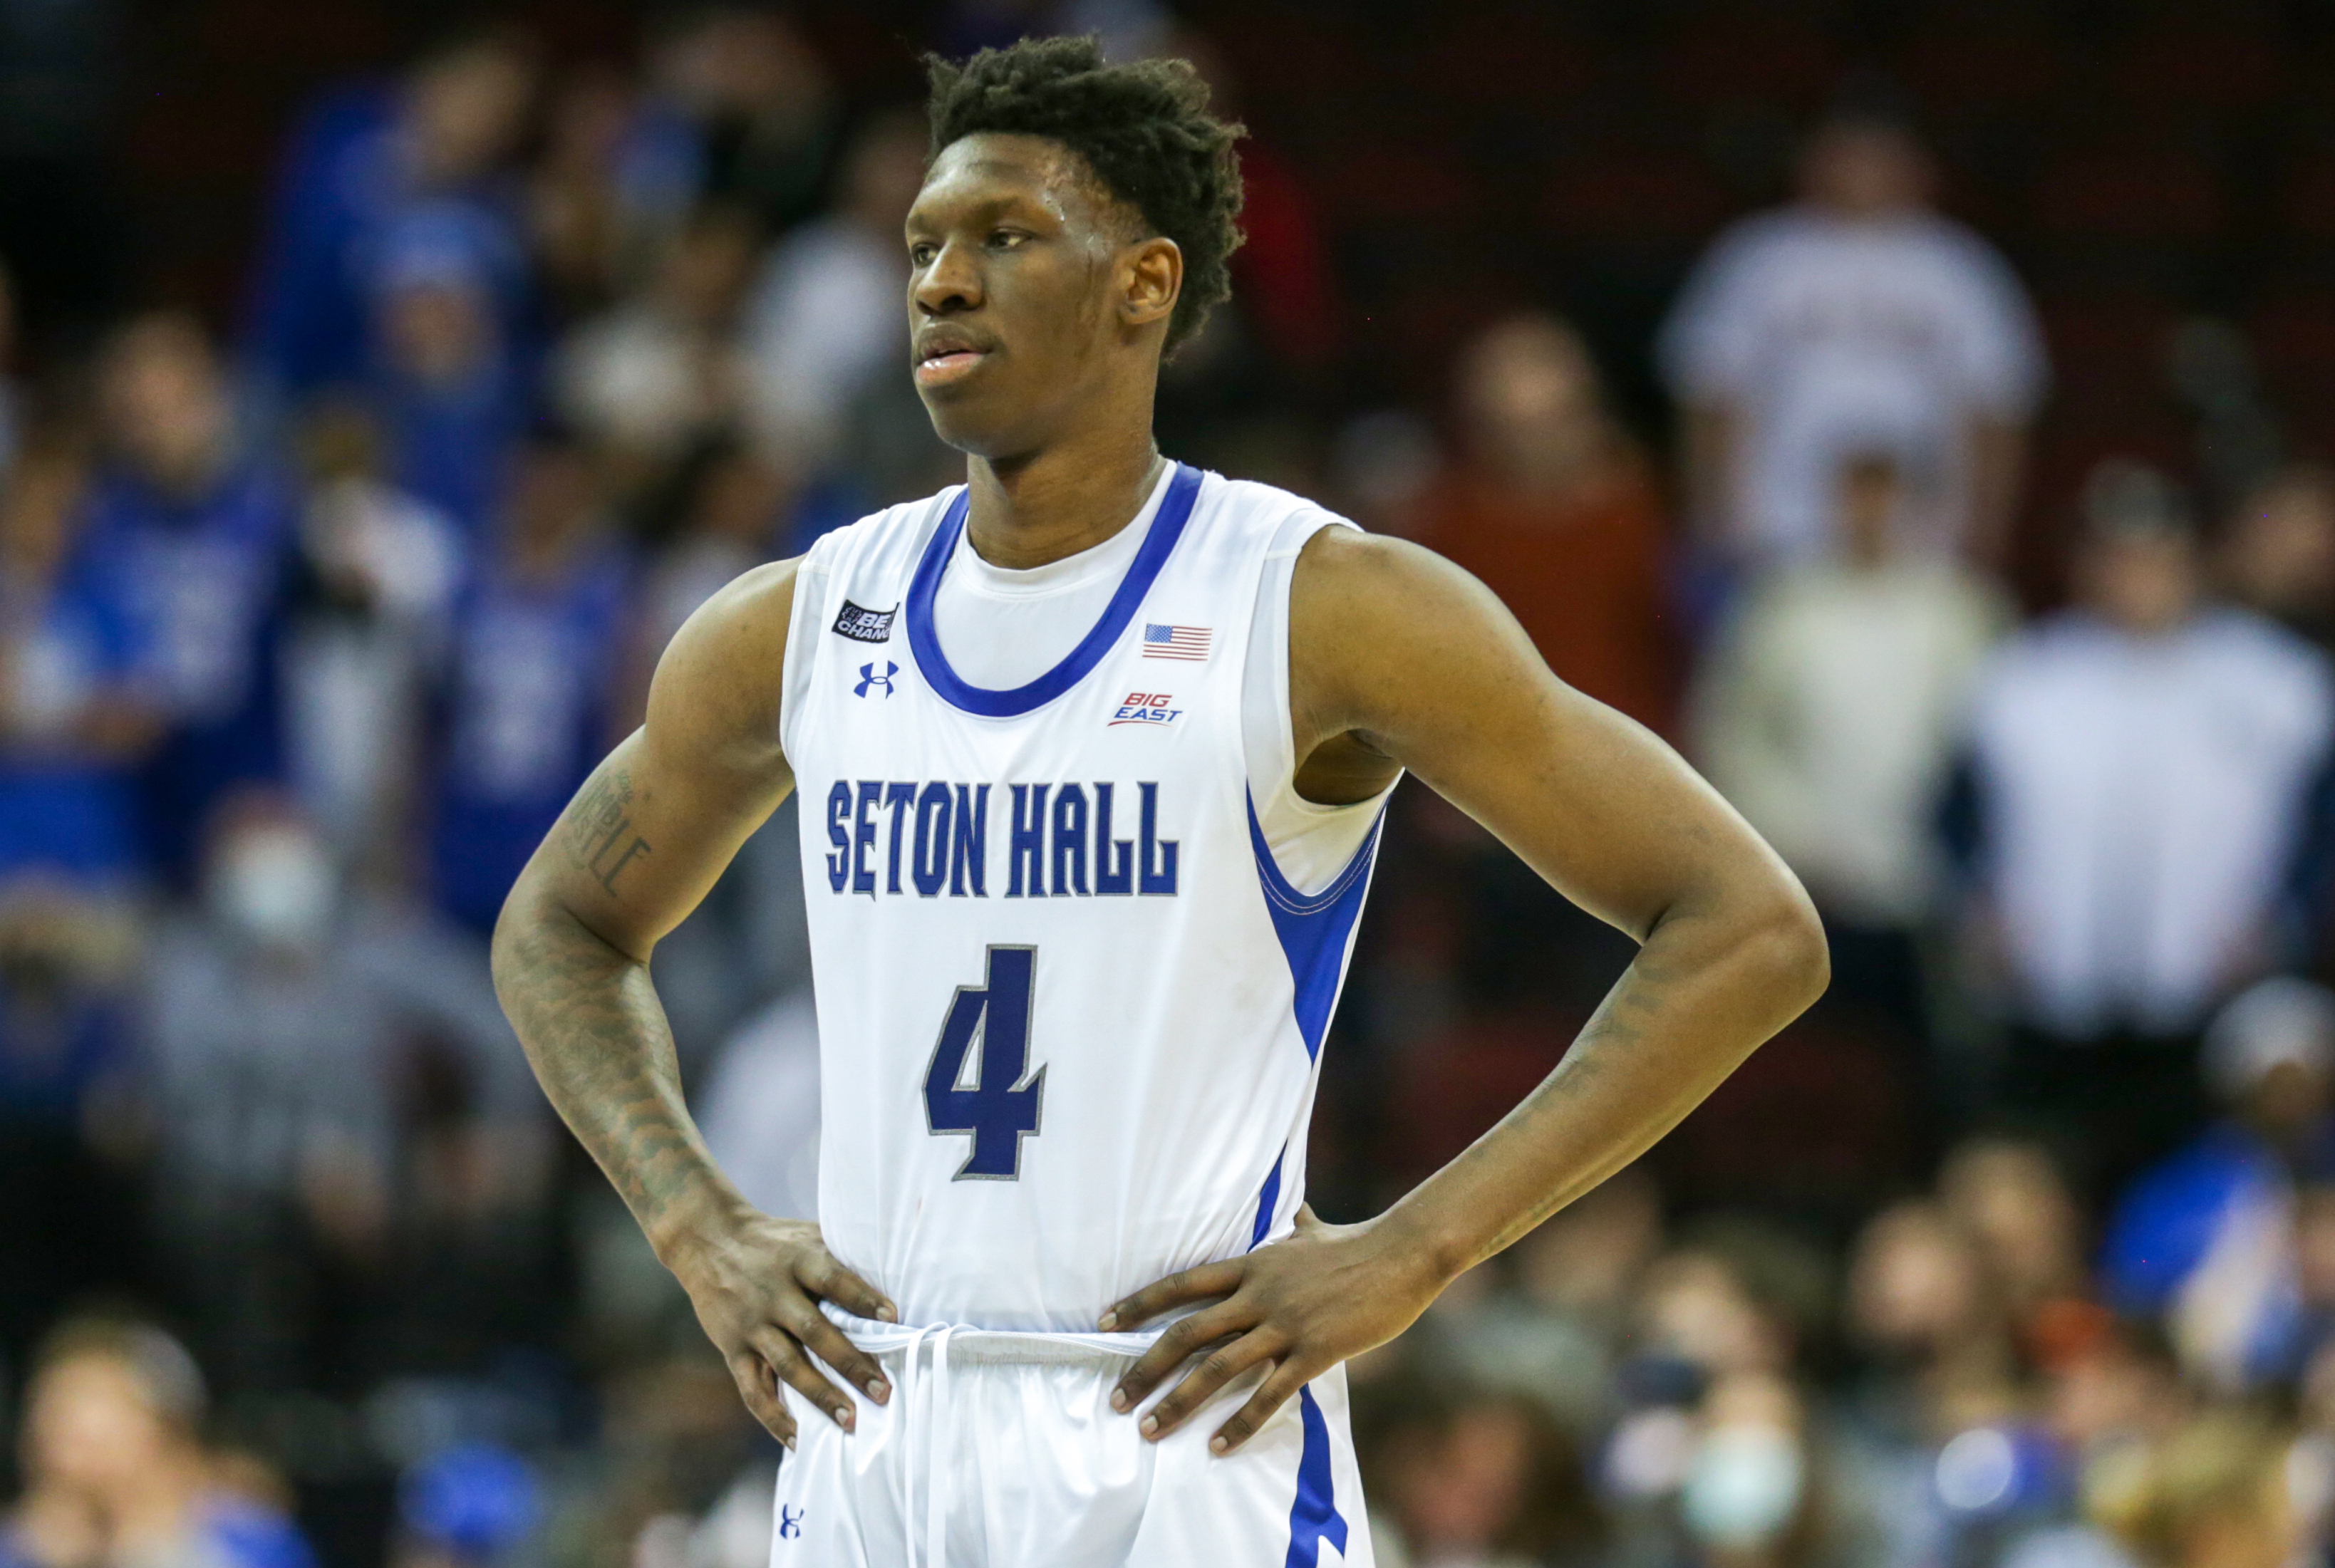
1151, 276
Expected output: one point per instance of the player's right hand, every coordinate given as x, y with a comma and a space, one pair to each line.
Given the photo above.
757, 1283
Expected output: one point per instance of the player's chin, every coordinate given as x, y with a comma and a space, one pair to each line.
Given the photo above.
971, 423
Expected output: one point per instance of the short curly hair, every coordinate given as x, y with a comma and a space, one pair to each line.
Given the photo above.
1143, 129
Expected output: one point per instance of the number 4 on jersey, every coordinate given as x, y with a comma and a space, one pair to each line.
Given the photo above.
998, 1108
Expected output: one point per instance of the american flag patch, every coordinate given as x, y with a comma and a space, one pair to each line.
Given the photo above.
1175, 642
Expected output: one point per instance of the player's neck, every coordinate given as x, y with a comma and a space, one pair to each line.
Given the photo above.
1028, 511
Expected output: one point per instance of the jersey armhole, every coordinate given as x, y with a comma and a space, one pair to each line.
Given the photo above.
1312, 843
803, 628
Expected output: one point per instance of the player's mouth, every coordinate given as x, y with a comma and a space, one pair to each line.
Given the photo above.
946, 358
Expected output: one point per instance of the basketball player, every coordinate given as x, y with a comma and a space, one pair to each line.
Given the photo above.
1093, 753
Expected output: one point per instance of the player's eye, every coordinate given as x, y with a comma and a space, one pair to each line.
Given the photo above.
1006, 239
922, 252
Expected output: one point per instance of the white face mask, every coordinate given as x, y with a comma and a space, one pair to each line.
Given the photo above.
1744, 1486
276, 886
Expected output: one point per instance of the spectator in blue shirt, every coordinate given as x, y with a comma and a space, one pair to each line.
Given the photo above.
115, 1472
196, 531
2206, 1238
445, 381
538, 643
363, 159
73, 720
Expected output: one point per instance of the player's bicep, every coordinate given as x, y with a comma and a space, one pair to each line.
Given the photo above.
1426, 665
653, 828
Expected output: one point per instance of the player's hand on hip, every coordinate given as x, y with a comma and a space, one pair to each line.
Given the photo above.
1297, 1308
757, 1283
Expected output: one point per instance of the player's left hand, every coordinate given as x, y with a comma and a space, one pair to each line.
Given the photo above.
1298, 1307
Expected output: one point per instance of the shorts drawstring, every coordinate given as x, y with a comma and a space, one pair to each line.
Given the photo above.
937, 1446
924, 1420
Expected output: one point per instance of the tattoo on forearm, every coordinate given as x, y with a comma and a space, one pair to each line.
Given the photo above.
600, 822
599, 1042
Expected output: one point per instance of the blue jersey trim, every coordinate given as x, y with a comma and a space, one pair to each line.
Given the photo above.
1314, 931
1313, 1517
1159, 544
1267, 1200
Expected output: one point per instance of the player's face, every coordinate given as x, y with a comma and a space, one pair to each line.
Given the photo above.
1030, 299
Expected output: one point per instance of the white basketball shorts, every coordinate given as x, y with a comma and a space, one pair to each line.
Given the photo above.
1001, 1450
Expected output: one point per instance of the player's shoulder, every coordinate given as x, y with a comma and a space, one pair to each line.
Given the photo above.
1251, 507
1351, 587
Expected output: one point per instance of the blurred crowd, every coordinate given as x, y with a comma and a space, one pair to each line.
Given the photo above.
2018, 1253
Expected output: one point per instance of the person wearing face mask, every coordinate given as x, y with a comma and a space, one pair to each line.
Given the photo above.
333, 1095
1748, 1500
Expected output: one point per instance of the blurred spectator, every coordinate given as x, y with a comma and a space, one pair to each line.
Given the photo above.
1928, 1323
1750, 1498
597, 207
115, 1472
539, 645
744, 103
470, 1505
68, 1134
1857, 319
1478, 1480
74, 718
2217, 1494
363, 160
2142, 764
2010, 1198
1555, 1330
676, 1443
1696, 1307
1828, 711
446, 380
760, 1109
2208, 1239
1923, 1309
379, 571
829, 315
2276, 555
336, 1093
736, 504
195, 525
659, 375
1551, 507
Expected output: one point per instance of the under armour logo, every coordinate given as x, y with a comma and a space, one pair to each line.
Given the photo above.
790, 1522
868, 677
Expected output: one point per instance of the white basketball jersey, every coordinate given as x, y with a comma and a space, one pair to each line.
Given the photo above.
1071, 1008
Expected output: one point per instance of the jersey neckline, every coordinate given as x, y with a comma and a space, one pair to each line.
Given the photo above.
1159, 544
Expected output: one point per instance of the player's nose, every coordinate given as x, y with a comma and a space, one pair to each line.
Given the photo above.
950, 283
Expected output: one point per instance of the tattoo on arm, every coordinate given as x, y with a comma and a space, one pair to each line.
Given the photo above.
592, 1025
601, 822
598, 1039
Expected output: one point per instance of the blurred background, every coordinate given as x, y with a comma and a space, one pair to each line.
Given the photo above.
1917, 411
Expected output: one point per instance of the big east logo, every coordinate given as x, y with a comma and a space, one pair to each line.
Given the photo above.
1146, 707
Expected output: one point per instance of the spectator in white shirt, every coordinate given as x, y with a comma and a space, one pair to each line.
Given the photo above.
1856, 319
825, 317
2143, 765
1828, 711
658, 375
